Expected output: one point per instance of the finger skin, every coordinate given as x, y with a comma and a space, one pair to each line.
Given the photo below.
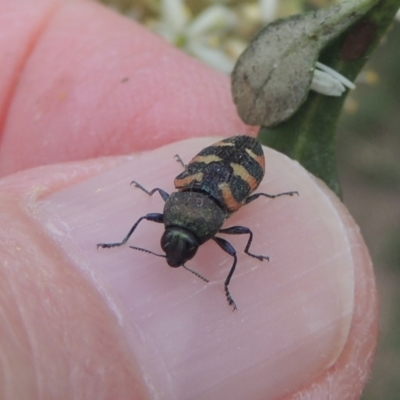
62, 83
62, 304
82, 81
345, 380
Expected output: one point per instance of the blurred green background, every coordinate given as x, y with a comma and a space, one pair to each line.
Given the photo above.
368, 154
368, 145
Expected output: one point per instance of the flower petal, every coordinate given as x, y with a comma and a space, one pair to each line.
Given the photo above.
325, 84
213, 57
216, 18
175, 15
269, 10
335, 75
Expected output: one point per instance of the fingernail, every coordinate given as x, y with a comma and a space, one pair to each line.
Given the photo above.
294, 313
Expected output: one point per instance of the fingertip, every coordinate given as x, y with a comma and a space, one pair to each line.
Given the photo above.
305, 324
347, 378
102, 84
301, 306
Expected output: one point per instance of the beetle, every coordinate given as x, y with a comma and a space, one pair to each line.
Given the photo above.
215, 184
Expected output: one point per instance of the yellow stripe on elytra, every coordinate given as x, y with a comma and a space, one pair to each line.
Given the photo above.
229, 201
183, 182
222, 143
206, 159
242, 172
259, 159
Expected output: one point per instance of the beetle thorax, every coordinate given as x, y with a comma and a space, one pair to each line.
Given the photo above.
195, 212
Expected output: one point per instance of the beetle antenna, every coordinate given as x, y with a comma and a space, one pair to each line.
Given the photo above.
164, 256
148, 251
195, 273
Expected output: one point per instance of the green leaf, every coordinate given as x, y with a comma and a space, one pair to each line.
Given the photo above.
273, 75
309, 135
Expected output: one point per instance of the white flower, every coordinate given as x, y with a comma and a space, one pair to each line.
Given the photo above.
269, 9
200, 36
329, 82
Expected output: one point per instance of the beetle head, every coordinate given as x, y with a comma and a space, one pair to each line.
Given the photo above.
180, 245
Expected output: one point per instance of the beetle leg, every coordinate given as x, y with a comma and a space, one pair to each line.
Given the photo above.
242, 230
163, 194
154, 217
180, 161
270, 196
228, 248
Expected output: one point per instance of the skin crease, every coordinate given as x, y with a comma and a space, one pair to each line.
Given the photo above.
62, 99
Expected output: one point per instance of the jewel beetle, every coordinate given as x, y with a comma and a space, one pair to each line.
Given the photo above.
216, 183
